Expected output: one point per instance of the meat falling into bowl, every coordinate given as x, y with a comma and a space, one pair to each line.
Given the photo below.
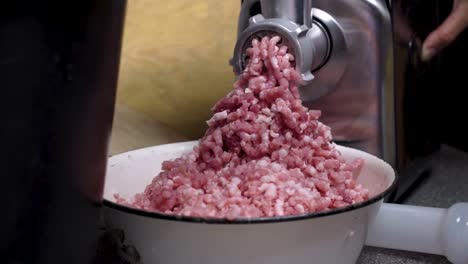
263, 155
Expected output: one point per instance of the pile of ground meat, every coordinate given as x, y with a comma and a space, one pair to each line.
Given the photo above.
263, 155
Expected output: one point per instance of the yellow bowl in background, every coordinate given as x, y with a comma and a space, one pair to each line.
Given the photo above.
175, 60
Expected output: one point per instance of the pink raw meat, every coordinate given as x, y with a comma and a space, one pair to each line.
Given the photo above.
263, 155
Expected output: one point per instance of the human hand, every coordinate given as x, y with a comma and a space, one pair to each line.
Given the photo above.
446, 33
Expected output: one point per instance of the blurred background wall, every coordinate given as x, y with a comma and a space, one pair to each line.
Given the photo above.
174, 67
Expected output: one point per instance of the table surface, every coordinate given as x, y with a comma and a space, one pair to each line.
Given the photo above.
447, 184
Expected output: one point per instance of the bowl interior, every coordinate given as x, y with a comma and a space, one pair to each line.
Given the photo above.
129, 173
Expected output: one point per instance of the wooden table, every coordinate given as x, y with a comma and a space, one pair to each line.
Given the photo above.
133, 130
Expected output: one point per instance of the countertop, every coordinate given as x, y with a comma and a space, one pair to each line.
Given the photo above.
447, 184
133, 130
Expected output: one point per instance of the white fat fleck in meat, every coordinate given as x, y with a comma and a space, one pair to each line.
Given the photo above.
269, 190
263, 119
276, 167
299, 208
282, 153
274, 63
303, 126
273, 134
311, 171
279, 211
267, 111
263, 163
267, 178
274, 108
236, 181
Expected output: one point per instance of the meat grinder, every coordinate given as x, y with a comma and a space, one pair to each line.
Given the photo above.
344, 51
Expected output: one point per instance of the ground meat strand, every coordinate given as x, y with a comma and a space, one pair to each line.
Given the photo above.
264, 153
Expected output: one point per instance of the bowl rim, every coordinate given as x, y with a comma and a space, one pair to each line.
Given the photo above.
258, 220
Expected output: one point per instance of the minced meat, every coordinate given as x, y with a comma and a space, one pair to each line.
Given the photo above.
264, 154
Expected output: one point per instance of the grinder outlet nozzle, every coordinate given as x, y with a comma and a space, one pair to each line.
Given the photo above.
310, 46
306, 44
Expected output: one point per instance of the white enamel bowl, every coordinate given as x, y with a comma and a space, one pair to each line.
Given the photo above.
333, 237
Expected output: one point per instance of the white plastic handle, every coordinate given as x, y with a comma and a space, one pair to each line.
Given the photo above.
437, 231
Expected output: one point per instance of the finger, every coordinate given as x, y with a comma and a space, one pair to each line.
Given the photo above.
447, 32
455, 4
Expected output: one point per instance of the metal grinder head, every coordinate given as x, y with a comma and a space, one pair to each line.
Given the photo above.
313, 37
